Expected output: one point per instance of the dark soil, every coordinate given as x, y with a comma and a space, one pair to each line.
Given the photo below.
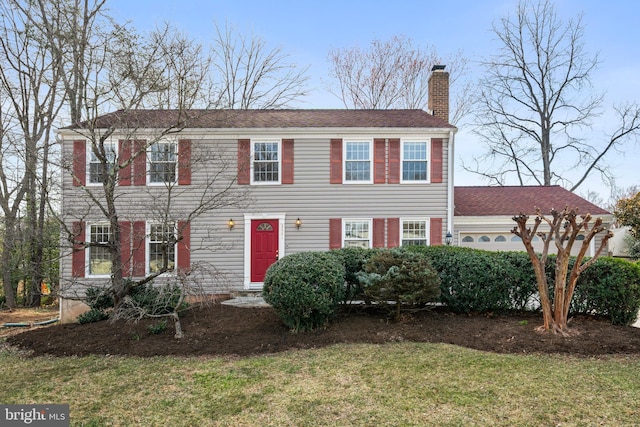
231, 331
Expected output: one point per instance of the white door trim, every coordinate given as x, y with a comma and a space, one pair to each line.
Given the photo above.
248, 217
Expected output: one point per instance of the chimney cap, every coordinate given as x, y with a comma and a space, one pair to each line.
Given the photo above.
438, 67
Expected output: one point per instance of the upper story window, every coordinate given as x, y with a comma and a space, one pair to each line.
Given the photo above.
99, 170
414, 232
162, 247
357, 162
414, 161
99, 256
357, 233
266, 162
162, 162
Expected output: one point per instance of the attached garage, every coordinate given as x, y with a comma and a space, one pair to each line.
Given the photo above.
483, 215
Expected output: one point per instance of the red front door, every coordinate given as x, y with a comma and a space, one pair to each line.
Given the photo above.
264, 247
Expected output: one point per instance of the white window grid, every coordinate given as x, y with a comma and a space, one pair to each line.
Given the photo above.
415, 155
357, 233
357, 161
162, 246
266, 162
414, 232
95, 165
99, 256
162, 162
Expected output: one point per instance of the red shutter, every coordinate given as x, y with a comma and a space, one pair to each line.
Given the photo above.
394, 161
79, 163
378, 232
184, 245
287, 161
125, 248
244, 161
139, 162
436, 160
78, 256
336, 161
335, 233
184, 162
379, 160
393, 232
124, 154
436, 231
138, 257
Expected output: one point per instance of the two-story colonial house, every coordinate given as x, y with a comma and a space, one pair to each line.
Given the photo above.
308, 180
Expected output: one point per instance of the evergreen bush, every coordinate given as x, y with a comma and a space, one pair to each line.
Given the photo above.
405, 278
92, 316
353, 260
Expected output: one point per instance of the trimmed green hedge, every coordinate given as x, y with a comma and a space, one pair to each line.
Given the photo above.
305, 289
610, 288
474, 280
482, 281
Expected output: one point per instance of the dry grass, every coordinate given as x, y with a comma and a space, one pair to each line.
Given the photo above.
405, 384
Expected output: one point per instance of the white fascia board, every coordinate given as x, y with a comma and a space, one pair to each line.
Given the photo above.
235, 133
507, 220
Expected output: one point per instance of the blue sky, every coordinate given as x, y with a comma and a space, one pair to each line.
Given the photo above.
308, 30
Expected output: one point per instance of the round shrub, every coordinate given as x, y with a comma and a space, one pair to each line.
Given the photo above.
305, 289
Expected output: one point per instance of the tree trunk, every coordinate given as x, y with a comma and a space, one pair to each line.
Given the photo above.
7, 267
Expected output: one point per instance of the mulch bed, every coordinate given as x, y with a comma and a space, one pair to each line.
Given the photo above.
217, 330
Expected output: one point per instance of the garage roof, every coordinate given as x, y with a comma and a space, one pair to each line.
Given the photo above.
513, 200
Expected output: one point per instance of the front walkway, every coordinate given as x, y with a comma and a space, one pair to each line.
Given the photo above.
246, 302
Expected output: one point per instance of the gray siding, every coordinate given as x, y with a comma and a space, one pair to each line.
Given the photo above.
311, 198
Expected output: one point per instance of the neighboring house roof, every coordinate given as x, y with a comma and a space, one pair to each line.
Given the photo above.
485, 201
269, 119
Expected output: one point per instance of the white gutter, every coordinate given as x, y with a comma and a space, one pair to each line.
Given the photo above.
450, 206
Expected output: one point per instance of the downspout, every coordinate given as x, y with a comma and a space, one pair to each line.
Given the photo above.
450, 206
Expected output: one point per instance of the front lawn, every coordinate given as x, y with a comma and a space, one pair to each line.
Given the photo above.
391, 384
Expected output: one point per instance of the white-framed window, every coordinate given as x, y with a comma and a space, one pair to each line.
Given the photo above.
163, 157
357, 233
415, 164
358, 162
99, 258
414, 232
266, 158
161, 247
97, 172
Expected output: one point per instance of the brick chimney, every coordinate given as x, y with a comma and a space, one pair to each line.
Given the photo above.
438, 101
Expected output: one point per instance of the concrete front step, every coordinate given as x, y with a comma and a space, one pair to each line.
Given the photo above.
246, 302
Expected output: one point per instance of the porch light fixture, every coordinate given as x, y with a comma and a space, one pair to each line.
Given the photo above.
448, 238
298, 223
230, 223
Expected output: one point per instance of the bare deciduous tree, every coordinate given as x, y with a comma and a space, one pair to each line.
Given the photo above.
253, 75
393, 74
535, 100
564, 228
29, 83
